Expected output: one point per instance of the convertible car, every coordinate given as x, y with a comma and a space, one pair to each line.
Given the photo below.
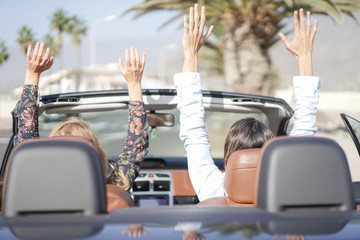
292, 188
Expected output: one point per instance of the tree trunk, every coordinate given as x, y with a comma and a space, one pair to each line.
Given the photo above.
246, 64
60, 49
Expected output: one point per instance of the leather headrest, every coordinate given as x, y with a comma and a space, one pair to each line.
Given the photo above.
117, 198
304, 174
241, 174
54, 175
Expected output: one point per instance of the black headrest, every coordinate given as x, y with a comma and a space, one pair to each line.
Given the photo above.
54, 175
304, 174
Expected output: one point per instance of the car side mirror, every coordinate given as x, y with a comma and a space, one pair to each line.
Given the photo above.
353, 127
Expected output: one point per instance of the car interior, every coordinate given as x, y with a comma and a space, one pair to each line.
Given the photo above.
320, 184
62, 176
164, 179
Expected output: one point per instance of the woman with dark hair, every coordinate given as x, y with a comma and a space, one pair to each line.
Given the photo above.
206, 178
246, 133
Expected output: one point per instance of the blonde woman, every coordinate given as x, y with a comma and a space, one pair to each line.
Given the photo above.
122, 171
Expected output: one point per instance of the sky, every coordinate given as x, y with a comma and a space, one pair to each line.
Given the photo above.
111, 37
336, 51
37, 15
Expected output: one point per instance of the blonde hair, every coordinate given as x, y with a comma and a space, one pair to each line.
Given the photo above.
74, 126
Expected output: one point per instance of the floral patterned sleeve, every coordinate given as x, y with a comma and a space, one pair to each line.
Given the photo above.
27, 111
137, 146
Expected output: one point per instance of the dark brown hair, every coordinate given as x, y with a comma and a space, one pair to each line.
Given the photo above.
244, 134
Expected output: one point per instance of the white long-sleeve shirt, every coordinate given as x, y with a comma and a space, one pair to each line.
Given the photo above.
206, 178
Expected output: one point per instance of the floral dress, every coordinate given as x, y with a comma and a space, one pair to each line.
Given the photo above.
134, 151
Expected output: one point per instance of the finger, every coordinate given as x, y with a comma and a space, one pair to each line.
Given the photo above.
202, 21
36, 50
46, 57
313, 32
132, 56
284, 40
49, 63
137, 58
191, 19
28, 54
127, 58
143, 61
196, 18
186, 26
302, 20
145, 232
41, 52
296, 22
121, 66
308, 27
208, 33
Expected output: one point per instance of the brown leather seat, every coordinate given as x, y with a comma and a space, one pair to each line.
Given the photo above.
117, 198
240, 180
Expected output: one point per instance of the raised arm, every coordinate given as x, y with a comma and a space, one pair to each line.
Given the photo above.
205, 177
37, 64
194, 38
137, 141
133, 72
302, 45
306, 87
27, 108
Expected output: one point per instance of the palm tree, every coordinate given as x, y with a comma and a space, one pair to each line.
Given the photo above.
246, 29
26, 37
3, 53
50, 43
77, 28
60, 22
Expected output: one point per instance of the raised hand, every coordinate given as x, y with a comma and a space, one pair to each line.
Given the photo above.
302, 45
135, 230
194, 37
193, 235
133, 72
37, 63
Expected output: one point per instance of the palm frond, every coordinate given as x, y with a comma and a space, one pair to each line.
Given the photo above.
351, 15
348, 2
348, 8
321, 5
172, 19
150, 6
3, 52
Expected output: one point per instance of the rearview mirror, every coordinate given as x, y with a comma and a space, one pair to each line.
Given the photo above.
160, 119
